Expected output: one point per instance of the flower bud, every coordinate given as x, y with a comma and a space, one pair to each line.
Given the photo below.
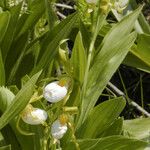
55, 91
33, 116
58, 130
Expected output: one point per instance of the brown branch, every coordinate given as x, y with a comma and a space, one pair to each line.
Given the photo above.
134, 104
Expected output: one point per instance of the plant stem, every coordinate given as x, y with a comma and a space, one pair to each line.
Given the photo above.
141, 88
73, 136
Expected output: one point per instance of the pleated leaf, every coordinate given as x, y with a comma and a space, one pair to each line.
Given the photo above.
109, 143
114, 48
9, 35
19, 102
6, 147
27, 22
51, 43
4, 19
138, 128
2, 70
100, 118
78, 59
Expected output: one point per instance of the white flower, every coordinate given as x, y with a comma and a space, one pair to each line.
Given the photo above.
120, 5
91, 1
58, 130
34, 116
53, 92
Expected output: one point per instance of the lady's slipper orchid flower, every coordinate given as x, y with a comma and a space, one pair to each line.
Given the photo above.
33, 116
55, 91
58, 129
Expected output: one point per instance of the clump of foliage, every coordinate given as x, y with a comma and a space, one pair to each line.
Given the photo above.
49, 90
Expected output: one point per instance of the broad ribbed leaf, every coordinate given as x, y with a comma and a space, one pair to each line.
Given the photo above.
100, 118
2, 70
37, 8
138, 128
78, 59
133, 61
143, 48
4, 19
142, 22
15, 58
2, 3
15, 138
19, 102
51, 43
114, 129
140, 54
109, 143
10, 137
8, 38
6, 97
102, 72
6, 147
114, 48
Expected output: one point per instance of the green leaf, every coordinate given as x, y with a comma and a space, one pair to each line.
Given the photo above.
2, 141
138, 128
140, 54
35, 12
143, 48
2, 3
8, 147
4, 18
109, 143
100, 118
133, 61
142, 22
19, 102
2, 70
15, 58
51, 43
112, 51
114, 129
103, 70
9, 35
10, 131
78, 59
51, 15
85, 36
10, 137
6, 97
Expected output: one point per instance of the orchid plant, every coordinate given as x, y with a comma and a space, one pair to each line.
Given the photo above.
49, 89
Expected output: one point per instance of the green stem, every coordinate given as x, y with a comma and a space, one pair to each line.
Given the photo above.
141, 89
73, 136
124, 87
